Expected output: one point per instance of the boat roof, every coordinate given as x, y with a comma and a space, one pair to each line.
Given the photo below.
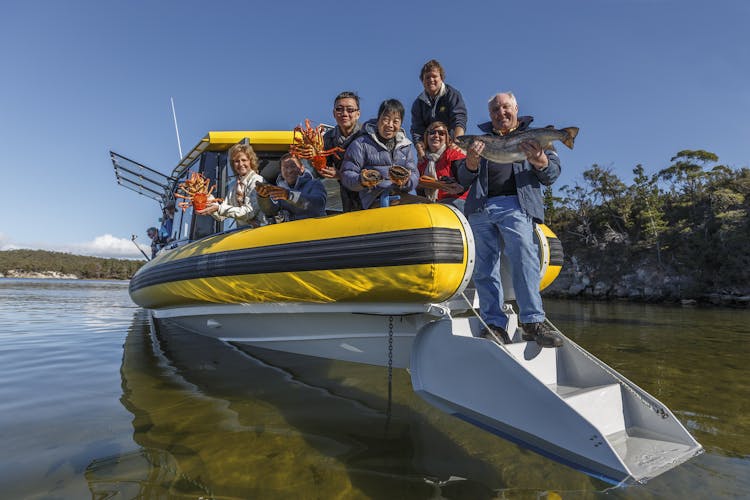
160, 187
260, 140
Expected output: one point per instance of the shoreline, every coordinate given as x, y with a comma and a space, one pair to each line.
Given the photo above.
14, 273
706, 300
50, 275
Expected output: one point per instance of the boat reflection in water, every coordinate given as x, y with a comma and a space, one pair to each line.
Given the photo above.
216, 421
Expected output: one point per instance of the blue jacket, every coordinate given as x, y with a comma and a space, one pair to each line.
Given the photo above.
528, 179
366, 151
307, 198
449, 109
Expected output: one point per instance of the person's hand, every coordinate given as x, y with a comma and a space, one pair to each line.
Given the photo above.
473, 154
214, 207
369, 178
399, 175
305, 151
328, 173
534, 154
276, 193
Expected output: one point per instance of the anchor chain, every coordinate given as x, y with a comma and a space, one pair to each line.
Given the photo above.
390, 366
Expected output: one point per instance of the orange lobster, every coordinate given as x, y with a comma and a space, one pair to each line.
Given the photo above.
197, 190
311, 138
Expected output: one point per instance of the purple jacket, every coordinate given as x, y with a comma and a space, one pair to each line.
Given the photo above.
367, 152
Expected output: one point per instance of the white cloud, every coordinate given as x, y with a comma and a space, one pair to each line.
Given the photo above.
110, 246
102, 246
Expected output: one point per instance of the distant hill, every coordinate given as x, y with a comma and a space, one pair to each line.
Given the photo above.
25, 262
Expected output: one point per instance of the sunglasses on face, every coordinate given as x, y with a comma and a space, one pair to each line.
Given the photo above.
441, 133
342, 109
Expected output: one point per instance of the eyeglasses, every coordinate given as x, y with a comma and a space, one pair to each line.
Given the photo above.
342, 109
442, 133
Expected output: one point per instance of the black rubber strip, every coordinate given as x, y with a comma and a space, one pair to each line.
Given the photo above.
396, 248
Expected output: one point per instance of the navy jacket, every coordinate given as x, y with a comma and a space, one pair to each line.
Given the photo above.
332, 138
307, 198
449, 109
528, 179
367, 152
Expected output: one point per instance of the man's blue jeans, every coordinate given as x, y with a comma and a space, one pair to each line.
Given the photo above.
502, 227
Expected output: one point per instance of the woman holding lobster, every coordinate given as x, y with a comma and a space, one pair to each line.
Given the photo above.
241, 202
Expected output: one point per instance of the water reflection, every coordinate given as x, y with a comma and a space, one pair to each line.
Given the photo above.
694, 360
214, 420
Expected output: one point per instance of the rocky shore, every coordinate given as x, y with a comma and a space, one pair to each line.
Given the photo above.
14, 273
646, 284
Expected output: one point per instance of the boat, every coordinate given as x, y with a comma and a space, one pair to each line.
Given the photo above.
391, 287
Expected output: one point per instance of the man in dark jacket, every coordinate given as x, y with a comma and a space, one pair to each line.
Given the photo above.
504, 202
438, 102
346, 113
297, 195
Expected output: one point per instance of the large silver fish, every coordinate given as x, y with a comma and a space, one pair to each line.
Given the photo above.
504, 149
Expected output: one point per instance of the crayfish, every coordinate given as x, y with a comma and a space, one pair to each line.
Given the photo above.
310, 146
399, 175
197, 190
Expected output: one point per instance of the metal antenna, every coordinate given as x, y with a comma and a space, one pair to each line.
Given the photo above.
174, 115
132, 238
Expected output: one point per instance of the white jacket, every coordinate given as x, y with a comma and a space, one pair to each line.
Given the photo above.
246, 212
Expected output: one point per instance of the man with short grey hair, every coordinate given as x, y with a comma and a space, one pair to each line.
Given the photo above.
504, 203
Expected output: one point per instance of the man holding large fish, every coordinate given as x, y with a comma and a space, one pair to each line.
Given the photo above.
504, 171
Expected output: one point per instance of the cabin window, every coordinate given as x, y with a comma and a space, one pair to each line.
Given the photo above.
268, 165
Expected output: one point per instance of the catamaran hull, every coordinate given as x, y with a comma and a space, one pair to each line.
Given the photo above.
375, 334
561, 403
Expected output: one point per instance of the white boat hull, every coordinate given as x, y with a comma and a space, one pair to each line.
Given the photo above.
562, 403
359, 333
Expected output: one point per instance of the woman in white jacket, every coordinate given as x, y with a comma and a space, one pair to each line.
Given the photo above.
241, 202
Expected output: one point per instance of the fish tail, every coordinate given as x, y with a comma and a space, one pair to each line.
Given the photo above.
570, 136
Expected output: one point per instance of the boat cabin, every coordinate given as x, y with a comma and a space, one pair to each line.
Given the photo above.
209, 158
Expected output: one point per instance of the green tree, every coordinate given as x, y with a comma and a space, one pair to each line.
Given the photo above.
647, 212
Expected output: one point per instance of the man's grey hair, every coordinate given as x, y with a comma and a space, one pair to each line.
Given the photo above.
509, 94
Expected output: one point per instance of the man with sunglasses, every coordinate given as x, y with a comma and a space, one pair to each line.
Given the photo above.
346, 113
504, 203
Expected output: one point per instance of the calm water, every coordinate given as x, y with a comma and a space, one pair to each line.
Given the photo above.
93, 403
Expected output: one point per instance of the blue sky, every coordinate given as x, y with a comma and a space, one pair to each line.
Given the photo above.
642, 79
